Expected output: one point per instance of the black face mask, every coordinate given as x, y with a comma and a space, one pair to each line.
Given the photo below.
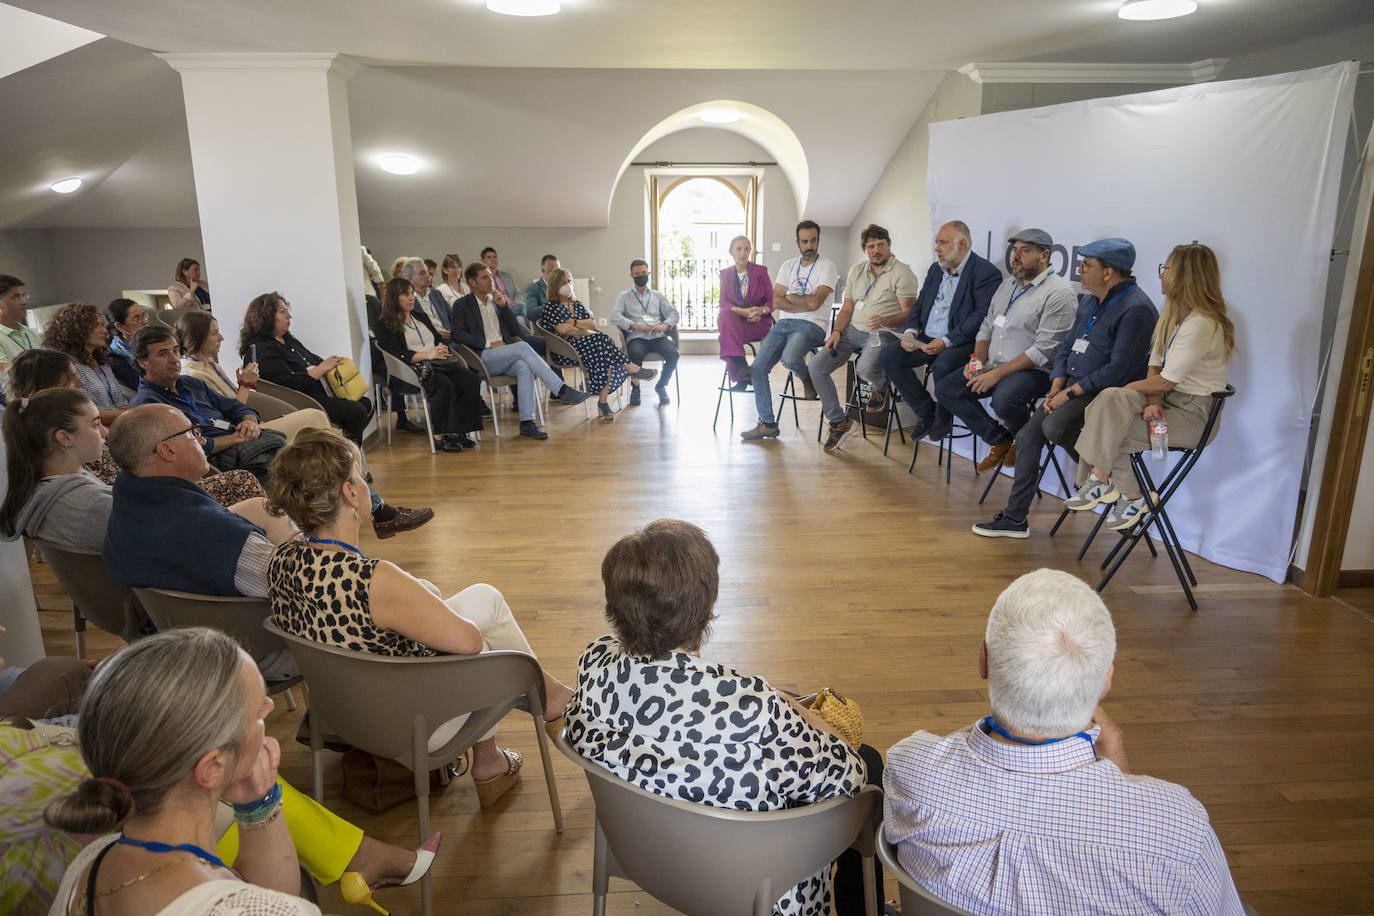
642, 281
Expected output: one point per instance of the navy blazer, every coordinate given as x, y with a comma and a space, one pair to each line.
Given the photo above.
467, 323
978, 281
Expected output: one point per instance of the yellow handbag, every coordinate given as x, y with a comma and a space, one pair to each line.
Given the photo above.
345, 381
842, 715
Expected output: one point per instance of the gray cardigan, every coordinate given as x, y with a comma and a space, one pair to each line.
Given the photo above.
70, 509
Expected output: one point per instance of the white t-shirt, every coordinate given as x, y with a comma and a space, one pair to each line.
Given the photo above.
1195, 360
805, 279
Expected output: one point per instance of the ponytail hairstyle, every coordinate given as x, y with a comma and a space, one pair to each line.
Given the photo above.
308, 477
29, 428
151, 712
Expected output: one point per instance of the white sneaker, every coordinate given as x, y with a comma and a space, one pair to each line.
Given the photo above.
1091, 493
1125, 513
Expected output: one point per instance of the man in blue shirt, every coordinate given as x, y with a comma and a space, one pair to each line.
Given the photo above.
233, 438
1107, 347
941, 327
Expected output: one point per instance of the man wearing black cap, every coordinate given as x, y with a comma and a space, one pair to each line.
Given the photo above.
1025, 322
1108, 347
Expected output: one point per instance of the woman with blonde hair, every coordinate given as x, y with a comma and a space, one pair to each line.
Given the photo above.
372, 605
188, 289
607, 368
1194, 340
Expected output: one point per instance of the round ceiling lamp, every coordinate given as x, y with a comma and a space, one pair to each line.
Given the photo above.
524, 7
66, 185
1146, 10
399, 165
720, 116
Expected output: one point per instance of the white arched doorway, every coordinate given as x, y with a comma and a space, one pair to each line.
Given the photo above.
693, 219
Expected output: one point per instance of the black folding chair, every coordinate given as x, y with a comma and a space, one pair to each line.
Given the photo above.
725, 387
1050, 460
789, 393
1157, 498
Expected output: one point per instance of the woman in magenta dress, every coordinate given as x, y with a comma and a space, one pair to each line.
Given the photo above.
746, 309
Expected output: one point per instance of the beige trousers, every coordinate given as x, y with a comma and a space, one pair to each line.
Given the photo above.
297, 420
1113, 430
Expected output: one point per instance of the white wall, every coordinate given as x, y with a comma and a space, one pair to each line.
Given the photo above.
898, 199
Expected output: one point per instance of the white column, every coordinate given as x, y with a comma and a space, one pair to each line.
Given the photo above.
23, 642
273, 162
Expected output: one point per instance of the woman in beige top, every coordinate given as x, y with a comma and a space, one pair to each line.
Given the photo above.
199, 338
453, 288
1192, 348
188, 289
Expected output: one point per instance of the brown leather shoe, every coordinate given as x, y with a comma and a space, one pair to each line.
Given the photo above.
996, 455
1010, 460
405, 520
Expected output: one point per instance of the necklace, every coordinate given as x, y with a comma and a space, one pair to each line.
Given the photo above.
146, 874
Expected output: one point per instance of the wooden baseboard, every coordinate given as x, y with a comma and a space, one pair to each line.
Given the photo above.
1356, 578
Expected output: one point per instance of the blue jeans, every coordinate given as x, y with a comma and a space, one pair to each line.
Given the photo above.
789, 340
1012, 399
520, 360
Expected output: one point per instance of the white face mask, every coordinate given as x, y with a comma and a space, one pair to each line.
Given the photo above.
565, 290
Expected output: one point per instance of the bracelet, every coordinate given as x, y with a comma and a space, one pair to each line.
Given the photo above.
261, 822
261, 812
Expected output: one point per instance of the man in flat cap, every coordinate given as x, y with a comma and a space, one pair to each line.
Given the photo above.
1025, 322
1108, 347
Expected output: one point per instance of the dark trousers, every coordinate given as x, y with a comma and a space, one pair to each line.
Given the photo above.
536, 342
454, 395
349, 416
1012, 398
638, 348
849, 873
900, 368
1061, 427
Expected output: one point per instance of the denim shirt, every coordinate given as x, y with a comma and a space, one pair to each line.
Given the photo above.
1118, 339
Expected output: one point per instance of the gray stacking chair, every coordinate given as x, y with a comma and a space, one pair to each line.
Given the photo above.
389, 707
240, 617
707, 861
107, 604
916, 900
493, 382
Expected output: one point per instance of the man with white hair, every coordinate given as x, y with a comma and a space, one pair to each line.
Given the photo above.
427, 299
1033, 809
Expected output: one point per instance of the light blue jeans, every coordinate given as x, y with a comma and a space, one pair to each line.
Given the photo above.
788, 341
520, 360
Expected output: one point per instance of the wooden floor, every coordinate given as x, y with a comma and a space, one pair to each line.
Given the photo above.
844, 570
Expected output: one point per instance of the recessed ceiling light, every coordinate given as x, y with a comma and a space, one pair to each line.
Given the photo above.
1140, 10
399, 165
524, 7
720, 116
66, 185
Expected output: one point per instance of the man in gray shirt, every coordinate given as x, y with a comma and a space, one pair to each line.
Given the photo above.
647, 317
1028, 316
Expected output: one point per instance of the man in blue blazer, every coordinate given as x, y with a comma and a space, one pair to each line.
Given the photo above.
943, 323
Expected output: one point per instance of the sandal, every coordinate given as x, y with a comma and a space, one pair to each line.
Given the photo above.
355, 890
489, 791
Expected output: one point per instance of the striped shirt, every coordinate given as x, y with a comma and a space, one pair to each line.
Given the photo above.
999, 828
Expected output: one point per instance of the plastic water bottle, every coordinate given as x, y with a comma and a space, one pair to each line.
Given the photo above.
875, 338
1159, 439
974, 363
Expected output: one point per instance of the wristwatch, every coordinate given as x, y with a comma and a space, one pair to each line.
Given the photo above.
1068, 393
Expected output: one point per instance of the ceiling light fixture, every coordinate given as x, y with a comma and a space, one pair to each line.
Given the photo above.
720, 116
524, 7
66, 185
399, 165
1144, 10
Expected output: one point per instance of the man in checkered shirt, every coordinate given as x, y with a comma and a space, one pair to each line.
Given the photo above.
1034, 809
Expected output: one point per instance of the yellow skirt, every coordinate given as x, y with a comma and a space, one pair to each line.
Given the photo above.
325, 843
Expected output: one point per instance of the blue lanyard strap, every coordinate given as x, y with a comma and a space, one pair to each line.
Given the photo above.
180, 847
191, 404
1164, 357
806, 282
643, 311
1092, 316
992, 725
105, 379
342, 544
1011, 300
871, 283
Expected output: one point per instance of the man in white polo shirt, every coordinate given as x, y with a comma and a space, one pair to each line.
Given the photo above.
878, 295
801, 317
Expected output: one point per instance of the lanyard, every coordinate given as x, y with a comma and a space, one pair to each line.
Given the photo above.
415, 327
337, 544
644, 313
1092, 316
105, 379
1164, 358
871, 284
180, 847
806, 282
991, 723
1014, 296
191, 404
214, 364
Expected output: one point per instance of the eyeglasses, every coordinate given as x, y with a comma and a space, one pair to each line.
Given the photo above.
1162, 268
193, 430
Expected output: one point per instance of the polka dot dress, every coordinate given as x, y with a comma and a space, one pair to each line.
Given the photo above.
598, 353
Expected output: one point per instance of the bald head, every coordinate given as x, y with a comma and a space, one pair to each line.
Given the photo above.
135, 435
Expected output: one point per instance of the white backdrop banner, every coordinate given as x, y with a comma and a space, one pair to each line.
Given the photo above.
1248, 167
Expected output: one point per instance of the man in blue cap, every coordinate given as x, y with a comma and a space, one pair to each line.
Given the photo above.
1107, 347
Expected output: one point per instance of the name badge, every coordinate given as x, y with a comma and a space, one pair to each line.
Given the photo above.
1000, 321
859, 306
221, 424
1080, 345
